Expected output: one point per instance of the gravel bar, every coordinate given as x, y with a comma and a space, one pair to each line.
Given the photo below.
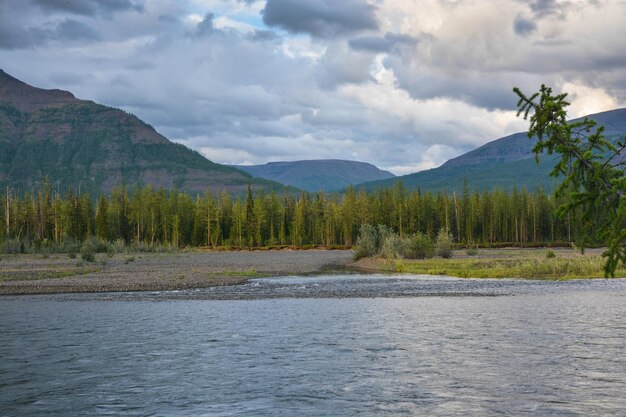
35, 274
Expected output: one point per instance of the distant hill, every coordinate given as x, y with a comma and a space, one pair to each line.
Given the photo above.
318, 175
80, 143
504, 163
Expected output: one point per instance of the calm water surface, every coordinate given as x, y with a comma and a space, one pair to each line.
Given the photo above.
435, 346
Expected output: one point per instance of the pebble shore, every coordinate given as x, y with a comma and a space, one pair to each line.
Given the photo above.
34, 274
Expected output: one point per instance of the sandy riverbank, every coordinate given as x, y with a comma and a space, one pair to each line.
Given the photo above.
34, 274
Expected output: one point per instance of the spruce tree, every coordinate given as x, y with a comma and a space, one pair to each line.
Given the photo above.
250, 220
102, 222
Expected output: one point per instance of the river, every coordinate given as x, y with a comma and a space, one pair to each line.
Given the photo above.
320, 346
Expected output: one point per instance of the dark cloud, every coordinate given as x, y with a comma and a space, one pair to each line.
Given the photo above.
88, 7
491, 91
524, 26
69, 78
205, 27
543, 8
381, 44
263, 36
71, 29
167, 18
556, 9
15, 37
370, 43
340, 65
320, 18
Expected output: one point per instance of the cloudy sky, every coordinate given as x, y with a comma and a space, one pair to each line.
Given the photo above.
402, 84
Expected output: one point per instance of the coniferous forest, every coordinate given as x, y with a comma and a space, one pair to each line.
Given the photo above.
149, 217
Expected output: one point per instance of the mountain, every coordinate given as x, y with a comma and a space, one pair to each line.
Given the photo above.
318, 175
504, 163
519, 146
80, 143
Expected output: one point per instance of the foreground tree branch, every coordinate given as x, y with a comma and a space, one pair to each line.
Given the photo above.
594, 183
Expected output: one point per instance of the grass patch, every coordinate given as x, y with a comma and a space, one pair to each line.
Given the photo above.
531, 267
48, 273
239, 274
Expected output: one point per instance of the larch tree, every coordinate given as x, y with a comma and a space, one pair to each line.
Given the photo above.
592, 168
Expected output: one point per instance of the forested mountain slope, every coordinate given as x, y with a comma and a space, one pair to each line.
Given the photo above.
504, 163
82, 144
318, 175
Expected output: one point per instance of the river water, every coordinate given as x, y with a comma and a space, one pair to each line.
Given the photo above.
431, 346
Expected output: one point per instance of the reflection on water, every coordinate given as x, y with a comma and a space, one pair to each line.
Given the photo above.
536, 349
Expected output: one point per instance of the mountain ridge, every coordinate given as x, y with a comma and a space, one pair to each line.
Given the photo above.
503, 163
51, 133
519, 145
317, 174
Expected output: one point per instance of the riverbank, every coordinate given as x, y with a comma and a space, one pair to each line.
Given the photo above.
550, 264
37, 274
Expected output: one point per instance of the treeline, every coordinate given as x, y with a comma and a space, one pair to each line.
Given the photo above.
151, 217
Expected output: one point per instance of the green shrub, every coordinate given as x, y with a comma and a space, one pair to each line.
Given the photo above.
394, 247
12, 246
71, 246
367, 243
444, 245
383, 233
550, 254
472, 250
418, 246
152, 247
87, 251
119, 246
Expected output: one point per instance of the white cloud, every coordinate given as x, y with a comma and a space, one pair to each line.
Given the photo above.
587, 100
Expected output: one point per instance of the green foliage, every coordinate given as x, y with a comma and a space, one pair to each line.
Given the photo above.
384, 232
250, 218
88, 251
419, 247
119, 246
550, 254
382, 241
367, 243
444, 244
594, 182
394, 247
472, 250
487, 176
13, 246
145, 219
95, 143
